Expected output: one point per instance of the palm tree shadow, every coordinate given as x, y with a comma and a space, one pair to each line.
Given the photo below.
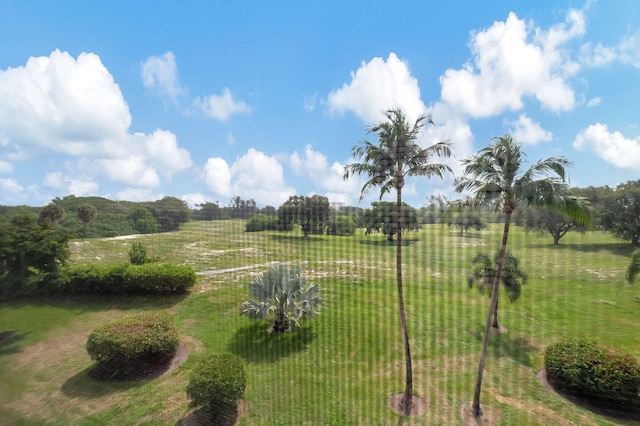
517, 348
254, 343
620, 249
389, 243
296, 239
9, 341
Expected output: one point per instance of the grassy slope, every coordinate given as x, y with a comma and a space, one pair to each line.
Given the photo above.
343, 366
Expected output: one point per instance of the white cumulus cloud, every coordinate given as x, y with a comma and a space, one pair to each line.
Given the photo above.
160, 73
5, 167
612, 147
376, 87
626, 51
513, 60
220, 107
527, 131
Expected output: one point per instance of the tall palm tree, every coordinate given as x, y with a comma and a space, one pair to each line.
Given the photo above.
387, 164
496, 174
484, 273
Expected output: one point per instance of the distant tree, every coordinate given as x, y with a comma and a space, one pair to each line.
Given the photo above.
211, 211
282, 293
485, 271
621, 215
341, 225
383, 218
142, 220
28, 249
86, 213
169, 212
545, 221
242, 209
311, 213
465, 221
634, 268
269, 211
51, 214
261, 222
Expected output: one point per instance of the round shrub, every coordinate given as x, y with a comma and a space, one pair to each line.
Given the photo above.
133, 344
586, 368
217, 383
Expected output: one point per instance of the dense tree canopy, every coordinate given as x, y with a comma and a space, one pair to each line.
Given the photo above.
621, 215
311, 213
169, 212
382, 217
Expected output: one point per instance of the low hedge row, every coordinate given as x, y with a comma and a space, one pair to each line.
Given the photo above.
131, 344
589, 369
123, 279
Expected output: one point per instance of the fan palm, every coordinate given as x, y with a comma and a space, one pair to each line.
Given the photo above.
496, 175
282, 292
484, 273
634, 268
387, 164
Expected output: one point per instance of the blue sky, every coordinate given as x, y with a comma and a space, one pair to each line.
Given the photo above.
208, 100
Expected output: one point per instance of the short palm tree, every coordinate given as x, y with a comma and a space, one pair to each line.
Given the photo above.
387, 164
484, 273
497, 175
282, 293
634, 268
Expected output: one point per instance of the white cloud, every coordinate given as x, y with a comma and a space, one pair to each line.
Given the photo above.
376, 87
310, 101
137, 194
73, 107
527, 131
160, 73
253, 175
193, 200
594, 101
231, 139
627, 51
11, 186
612, 147
220, 107
513, 60
5, 167
81, 188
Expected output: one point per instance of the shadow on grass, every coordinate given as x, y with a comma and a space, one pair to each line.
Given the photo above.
389, 243
255, 344
297, 239
9, 341
517, 348
620, 249
83, 386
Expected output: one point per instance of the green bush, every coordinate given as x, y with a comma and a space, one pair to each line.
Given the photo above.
589, 369
138, 254
261, 222
130, 344
217, 383
123, 279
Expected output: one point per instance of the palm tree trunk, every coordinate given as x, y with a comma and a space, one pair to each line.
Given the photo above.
495, 314
475, 407
407, 399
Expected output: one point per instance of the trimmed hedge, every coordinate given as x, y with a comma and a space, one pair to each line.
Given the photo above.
130, 344
124, 279
586, 368
217, 383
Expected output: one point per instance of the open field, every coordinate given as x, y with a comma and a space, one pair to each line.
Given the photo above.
341, 368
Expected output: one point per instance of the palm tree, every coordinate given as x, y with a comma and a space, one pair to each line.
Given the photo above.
484, 273
86, 213
496, 175
282, 292
387, 164
634, 268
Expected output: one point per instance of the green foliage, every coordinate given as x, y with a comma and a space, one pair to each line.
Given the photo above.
51, 215
282, 292
142, 220
210, 211
634, 268
261, 222
29, 253
216, 384
242, 209
124, 279
383, 218
545, 221
311, 213
124, 345
169, 213
621, 212
485, 270
589, 369
86, 213
138, 254
342, 225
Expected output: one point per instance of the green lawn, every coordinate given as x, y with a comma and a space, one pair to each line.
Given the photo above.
341, 368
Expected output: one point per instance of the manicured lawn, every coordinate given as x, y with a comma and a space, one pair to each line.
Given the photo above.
341, 368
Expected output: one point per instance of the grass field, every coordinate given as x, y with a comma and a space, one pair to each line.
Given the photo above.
341, 368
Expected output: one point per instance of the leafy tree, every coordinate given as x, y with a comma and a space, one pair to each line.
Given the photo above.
383, 218
465, 221
86, 213
622, 212
484, 273
51, 214
496, 174
29, 250
634, 268
142, 220
211, 211
387, 164
169, 212
261, 222
283, 293
138, 254
242, 209
544, 221
342, 225
311, 213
